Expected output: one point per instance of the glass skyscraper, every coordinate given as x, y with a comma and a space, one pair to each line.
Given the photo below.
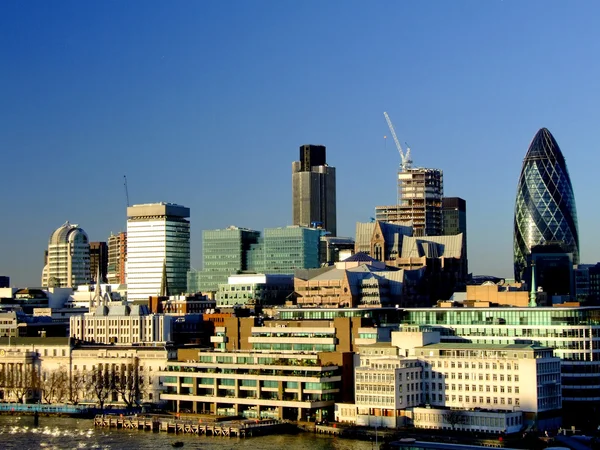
545, 208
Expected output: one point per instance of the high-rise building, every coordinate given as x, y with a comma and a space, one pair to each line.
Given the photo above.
545, 206
234, 250
420, 193
117, 258
158, 236
224, 253
454, 217
68, 260
98, 260
313, 190
285, 249
4, 282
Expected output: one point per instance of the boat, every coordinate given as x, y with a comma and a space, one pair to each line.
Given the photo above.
177, 444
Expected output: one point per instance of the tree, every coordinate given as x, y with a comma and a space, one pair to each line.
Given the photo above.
24, 381
77, 386
101, 383
455, 417
129, 384
54, 385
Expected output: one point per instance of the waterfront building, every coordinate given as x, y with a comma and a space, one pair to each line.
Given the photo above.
158, 235
57, 370
420, 193
545, 205
313, 190
224, 253
117, 258
98, 261
255, 290
68, 258
254, 385
572, 332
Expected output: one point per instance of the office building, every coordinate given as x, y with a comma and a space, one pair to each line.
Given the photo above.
117, 258
285, 249
420, 193
454, 216
68, 260
572, 332
98, 261
255, 290
254, 385
313, 190
224, 253
545, 205
4, 282
158, 235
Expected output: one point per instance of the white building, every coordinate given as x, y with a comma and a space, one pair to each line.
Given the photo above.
68, 262
158, 235
122, 324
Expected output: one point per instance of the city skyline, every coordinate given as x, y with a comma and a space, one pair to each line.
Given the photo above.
212, 99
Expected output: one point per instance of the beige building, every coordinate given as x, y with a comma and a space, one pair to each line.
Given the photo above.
512, 295
52, 370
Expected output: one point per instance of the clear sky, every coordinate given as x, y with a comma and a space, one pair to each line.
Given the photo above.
205, 103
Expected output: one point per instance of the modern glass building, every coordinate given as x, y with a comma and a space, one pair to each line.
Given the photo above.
283, 250
545, 207
224, 253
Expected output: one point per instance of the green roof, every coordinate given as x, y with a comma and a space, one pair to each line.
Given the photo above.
469, 346
34, 341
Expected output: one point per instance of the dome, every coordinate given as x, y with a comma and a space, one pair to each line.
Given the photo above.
68, 233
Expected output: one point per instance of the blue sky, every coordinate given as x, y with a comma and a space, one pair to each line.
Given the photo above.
205, 104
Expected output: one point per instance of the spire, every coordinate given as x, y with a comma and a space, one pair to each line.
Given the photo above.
532, 293
164, 284
97, 300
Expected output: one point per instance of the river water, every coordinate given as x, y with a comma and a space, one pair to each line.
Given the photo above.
63, 433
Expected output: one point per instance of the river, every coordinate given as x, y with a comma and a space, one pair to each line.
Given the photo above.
63, 433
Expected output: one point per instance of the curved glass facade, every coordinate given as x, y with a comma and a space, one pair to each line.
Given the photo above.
545, 207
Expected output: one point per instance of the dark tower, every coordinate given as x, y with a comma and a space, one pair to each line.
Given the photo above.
313, 190
545, 207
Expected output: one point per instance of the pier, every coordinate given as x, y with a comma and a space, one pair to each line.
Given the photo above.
176, 425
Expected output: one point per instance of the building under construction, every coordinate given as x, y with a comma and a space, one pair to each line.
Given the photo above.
420, 193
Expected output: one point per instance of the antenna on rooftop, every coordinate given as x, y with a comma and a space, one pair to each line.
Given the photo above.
126, 190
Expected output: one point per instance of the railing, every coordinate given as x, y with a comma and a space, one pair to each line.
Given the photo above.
40, 408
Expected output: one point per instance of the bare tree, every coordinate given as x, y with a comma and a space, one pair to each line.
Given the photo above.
129, 384
25, 382
101, 383
455, 417
54, 385
77, 387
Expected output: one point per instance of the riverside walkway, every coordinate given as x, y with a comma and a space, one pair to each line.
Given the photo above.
170, 424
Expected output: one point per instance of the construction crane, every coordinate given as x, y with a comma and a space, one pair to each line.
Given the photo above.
126, 190
405, 161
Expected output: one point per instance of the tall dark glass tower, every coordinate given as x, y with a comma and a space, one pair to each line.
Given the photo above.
545, 208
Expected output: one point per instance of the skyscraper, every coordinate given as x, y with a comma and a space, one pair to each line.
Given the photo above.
117, 257
68, 260
545, 207
454, 214
420, 193
158, 234
313, 190
98, 259
224, 253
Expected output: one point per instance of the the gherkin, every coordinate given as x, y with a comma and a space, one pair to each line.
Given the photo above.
545, 207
